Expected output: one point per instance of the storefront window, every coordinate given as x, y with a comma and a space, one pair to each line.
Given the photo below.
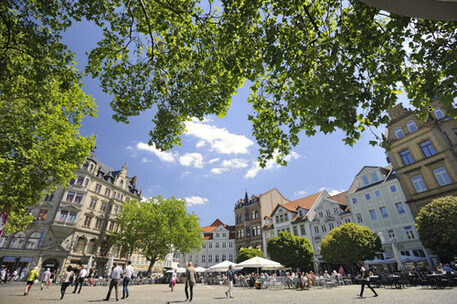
18, 240
33, 241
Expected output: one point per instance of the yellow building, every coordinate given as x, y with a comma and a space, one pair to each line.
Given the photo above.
424, 154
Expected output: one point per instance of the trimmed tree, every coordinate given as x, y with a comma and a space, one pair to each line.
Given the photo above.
157, 227
291, 251
350, 243
247, 253
436, 224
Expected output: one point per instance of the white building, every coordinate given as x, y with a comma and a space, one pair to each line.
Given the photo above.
219, 245
376, 200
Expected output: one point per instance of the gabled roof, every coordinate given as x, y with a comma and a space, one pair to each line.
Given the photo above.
305, 202
339, 198
216, 224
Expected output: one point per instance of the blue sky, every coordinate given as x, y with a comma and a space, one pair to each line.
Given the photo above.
216, 162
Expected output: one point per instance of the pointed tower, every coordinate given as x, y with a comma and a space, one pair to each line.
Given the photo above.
246, 198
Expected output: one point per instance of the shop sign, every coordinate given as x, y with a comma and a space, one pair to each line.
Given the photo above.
9, 259
25, 259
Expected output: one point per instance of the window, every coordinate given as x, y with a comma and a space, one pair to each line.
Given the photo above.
203, 258
321, 214
246, 216
224, 244
70, 196
217, 235
224, 257
302, 229
383, 211
442, 176
335, 210
373, 214
359, 218
93, 203
87, 221
33, 241
248, 231
107, 192
427, 148
391, 235
377, 193
80, 244
330, 226
231, 257
86, 182
103, 207
409, 233
63, 216
400, 208
210, 245
116, 209
210, 258
347, 220
98, 224
365, 180
316, 229
230, 245
286, 217
406, 157
354, 200
327, 211
43, 214
295, 230
411, 126
217, 244
438, 113
323, 228
418, 183
374, 177
111, 226
224, 235
399, 133
49, 196
367, 196
72, 217
216, 258
78, 198
204, 245
98, 188
72, 181
80, 180
393, 188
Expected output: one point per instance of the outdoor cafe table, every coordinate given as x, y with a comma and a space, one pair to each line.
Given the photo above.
395, 279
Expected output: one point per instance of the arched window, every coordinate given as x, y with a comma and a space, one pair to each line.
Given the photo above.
18, 240
91, 246
80, 244
33, 240
4, 240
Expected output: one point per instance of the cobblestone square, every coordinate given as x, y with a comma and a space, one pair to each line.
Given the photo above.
13, 294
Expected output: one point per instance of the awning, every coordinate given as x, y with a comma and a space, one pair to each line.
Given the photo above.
9, 259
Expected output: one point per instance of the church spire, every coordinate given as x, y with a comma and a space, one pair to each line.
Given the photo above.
246, 199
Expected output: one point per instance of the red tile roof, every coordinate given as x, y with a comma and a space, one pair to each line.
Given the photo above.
216, 224
304, 202
340, 198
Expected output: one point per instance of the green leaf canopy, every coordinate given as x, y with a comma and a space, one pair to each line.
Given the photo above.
247, 253
350, 243
291, 251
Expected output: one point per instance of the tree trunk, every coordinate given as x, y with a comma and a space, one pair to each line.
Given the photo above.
151, 263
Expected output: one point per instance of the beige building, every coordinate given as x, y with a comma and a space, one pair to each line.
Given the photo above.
249, 217
423, 154
74, 223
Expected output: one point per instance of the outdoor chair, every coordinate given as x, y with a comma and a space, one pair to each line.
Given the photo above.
347, 280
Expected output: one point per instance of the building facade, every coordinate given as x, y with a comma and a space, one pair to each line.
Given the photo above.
74, 223
218, 246
423, 154
377, 201
249, 217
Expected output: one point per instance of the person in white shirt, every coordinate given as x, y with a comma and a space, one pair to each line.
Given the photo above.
115, 277
80, 280
365, 279
128, 272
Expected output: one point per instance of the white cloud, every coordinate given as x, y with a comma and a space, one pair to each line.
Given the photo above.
145, 160
191, 159
219, 170
300, 193
195, 200
271, 164
219, 139
165, 156
214, 160
235, 163
331, 191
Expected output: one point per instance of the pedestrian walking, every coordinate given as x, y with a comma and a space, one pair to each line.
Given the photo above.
231, 279
3, 274
31, 277
174, 277
115, 277
363, 275
65, 280
190, 281
45, 278
80, 279
128, 272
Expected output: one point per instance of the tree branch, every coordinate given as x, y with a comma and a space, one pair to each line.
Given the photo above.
149, 28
